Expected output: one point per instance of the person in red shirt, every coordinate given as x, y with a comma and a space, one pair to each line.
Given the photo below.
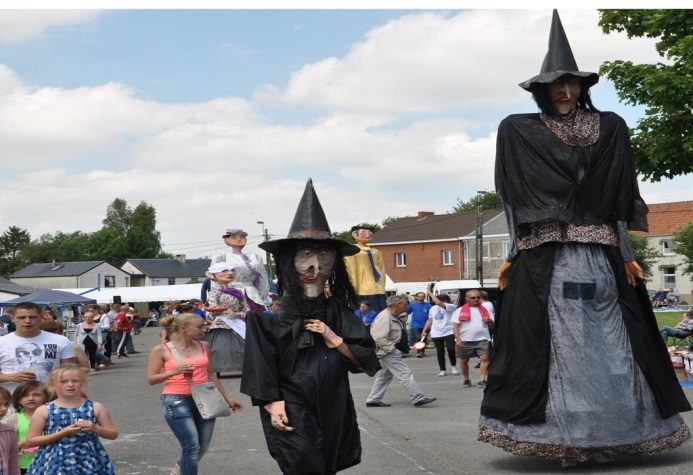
123, 332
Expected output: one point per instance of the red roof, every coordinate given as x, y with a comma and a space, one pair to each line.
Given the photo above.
665, 219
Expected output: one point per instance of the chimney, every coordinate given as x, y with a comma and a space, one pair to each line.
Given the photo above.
180, 258
423, 214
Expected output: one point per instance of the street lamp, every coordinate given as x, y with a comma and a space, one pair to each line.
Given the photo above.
480, 238
265, 233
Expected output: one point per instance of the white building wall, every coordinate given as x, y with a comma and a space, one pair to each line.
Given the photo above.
682, 282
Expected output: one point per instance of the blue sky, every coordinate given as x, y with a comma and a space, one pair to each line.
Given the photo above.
218, 117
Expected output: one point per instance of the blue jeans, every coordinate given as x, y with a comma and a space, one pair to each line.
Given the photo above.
669, 331
192, 431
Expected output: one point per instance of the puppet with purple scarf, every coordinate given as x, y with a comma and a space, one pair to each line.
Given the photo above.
226, 335
250, 270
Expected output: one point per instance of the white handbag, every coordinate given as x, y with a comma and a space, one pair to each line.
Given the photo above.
209, 401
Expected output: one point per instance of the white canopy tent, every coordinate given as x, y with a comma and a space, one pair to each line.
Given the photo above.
156, 293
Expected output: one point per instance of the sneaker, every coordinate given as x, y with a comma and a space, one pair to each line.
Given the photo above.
419, 355
442, 373
426, 400
377, 404
467, 383
92, 372
455, 371
481, 384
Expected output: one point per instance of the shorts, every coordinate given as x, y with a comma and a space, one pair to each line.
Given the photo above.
473, 348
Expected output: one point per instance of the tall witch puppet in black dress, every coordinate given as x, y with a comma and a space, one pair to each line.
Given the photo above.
297, 363
578, 370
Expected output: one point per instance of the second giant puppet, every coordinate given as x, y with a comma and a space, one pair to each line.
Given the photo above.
297, 363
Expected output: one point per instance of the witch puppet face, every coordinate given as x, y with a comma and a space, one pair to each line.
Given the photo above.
314, 265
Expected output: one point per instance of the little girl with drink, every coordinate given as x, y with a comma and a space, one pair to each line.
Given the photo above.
72, 426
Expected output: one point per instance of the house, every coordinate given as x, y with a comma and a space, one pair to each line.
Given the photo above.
431, 247
149, 272
65, 275
665, 220
9, 290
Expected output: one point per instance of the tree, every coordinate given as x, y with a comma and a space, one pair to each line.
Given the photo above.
683, 244
489, 200
663, 140
118, 217
144, 241
11, 243
644, 255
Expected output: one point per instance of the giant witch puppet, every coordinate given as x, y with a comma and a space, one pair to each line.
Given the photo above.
297, 363
579, 370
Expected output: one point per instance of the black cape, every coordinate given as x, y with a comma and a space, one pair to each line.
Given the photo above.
314, 383
538, 176
542, 177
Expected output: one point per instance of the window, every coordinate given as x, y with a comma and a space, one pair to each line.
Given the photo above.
668, 277
400, 259
667, 249
109, 281
171, 281
486, 249
447, 258
506, 249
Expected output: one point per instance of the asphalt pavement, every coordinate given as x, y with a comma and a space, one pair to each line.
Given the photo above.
439, 438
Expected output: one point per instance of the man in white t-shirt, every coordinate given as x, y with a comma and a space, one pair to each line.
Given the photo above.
471, 324
440, 325
29, 353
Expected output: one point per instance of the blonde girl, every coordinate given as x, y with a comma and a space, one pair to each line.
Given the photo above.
26, 398
9, 462
180, 412
72, 426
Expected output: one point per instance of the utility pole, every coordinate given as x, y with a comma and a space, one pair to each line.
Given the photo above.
480, 238
265, 233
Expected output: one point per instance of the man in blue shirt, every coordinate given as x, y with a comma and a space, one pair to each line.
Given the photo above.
418, 310
365, 313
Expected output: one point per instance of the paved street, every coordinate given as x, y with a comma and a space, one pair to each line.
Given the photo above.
403, 440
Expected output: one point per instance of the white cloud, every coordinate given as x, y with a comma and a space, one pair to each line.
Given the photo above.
435, 61
17, 26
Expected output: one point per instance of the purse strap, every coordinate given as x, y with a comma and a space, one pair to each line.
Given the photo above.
179, 360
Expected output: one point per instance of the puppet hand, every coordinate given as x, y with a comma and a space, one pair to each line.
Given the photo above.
332, 340
278, 416
633, 271
503, 273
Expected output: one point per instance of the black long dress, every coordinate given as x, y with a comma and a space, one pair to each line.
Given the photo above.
285, 362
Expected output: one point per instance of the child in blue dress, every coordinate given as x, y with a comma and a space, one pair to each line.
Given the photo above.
72, 426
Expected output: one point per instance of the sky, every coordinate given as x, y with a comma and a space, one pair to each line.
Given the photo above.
218, 117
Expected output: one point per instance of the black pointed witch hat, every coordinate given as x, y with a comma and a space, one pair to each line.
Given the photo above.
559, 60
310, 224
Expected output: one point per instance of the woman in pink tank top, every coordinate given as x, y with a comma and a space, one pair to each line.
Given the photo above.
192, 431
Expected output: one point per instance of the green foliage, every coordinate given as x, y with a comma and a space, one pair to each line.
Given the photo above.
489, 200
118, 217
683, 245
644, 255
126, 233
662, 140
11, 243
